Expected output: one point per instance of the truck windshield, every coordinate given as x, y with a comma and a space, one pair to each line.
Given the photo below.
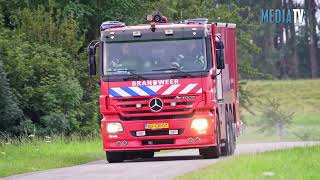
155, 56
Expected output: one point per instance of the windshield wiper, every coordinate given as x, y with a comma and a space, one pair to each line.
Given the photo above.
175, 69
131, 71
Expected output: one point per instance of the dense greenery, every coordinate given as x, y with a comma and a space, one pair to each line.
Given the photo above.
43, 70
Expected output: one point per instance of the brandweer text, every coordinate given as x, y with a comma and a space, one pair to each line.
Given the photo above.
155, 82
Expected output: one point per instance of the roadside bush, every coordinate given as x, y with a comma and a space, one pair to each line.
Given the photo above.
274, 119
54, 123
26, 127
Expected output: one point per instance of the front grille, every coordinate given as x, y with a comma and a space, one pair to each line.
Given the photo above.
157, 141
135, 112
127, 109
176, 110
165, 110
156, 117
180, 103
160, 132
132, 99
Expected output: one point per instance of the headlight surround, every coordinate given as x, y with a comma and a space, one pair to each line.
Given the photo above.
200, 125
114, 127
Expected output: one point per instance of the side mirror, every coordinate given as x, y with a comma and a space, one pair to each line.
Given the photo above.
92, 65
220, 54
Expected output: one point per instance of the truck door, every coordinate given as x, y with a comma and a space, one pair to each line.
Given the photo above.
220, 32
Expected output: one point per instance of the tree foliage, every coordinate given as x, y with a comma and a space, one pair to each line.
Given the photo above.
10, 113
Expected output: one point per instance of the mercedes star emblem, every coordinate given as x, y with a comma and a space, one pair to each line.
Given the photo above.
155, 104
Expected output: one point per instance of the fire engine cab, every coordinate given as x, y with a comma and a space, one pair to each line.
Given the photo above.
167, 86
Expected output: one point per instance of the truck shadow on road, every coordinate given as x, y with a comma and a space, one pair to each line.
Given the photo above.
166, 158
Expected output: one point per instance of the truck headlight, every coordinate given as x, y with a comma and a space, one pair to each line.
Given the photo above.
114, 127
200, 125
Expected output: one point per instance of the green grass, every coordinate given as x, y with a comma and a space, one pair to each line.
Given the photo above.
299, 96
252, 135
39, 155
297, 163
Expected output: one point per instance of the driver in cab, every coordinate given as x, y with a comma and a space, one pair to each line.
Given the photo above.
125, 59
191, 58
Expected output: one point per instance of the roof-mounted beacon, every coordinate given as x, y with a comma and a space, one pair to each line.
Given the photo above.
111, 24
197, 21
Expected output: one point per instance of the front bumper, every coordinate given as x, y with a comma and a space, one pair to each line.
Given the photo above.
125, 141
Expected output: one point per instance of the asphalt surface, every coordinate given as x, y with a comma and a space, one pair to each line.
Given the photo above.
162, 167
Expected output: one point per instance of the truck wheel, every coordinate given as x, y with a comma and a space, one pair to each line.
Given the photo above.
227, 149
234, 138
213, 151
114, 157
147, 154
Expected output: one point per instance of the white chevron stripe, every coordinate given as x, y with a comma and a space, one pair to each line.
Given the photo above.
121, 92
155, 88
139, 91
171, 89
187, 89
110, 95
199, 91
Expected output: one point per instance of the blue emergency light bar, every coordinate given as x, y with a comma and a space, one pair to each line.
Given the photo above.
111, 24
197, 21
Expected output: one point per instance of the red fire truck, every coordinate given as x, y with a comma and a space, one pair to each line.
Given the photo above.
167, 86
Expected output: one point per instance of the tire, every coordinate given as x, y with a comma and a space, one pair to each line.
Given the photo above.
227, 149
114, 156
212, 151
230, 141
233, 135
147, 154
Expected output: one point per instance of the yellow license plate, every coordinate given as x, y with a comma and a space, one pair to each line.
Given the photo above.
157, 126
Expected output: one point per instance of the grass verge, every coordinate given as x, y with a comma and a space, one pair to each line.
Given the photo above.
299, 96
36, 155
296, 163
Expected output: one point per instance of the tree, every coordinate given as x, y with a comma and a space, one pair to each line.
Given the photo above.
42, 77
293, 46
273, 118
10, 113
311, 23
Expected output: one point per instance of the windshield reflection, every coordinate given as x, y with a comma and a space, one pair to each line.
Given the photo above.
146, 57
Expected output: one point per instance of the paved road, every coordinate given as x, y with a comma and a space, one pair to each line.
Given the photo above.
162, 167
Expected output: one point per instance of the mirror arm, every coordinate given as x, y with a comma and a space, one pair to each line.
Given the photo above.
213, 76
219, 72
98, 82
91, 49
94, 44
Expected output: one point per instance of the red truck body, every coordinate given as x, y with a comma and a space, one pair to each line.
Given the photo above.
211, 96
